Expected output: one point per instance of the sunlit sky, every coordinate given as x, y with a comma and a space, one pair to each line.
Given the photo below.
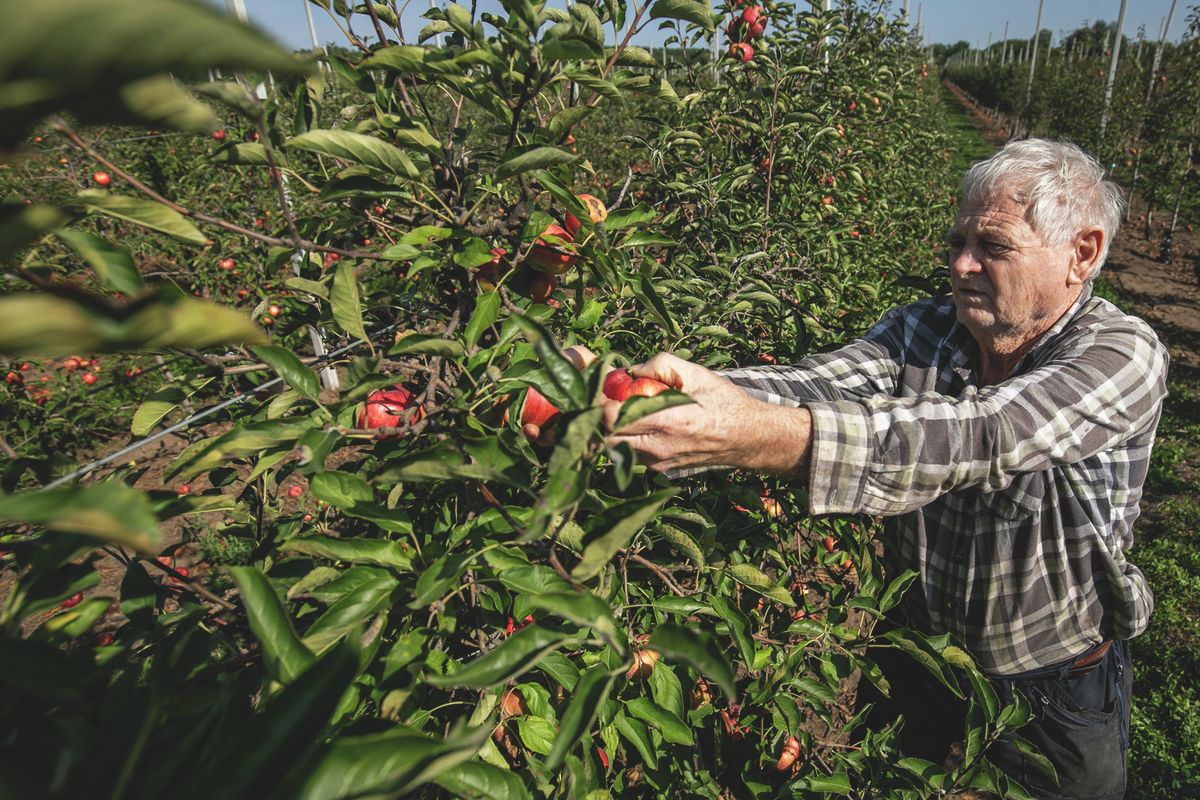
944, 21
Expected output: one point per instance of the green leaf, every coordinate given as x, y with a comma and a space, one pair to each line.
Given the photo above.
751, 576
347, 307
283, 654
637, 734
739, 626
518, 163
243, 154
274, 745
475, 781
584, 609
350, 612
341, 489
636, 408
514, 657
925, 654
684, 542
234, 95
566, 378
438, 577
487, 308
591, 692
297, 374
381, 552
146, 213
696, 649
687, 10
22, 225
249, 439
896, 589
92, 58
311, 287
109, 511
161, 403
634, 516
358, 148
427, 345
113, 265
670, 726
41, 324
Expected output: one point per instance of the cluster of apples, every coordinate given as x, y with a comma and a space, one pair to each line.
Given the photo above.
552, 254
742, 28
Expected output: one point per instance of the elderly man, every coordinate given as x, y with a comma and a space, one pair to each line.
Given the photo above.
1004, 432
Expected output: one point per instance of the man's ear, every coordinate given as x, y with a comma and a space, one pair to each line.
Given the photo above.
1086, 258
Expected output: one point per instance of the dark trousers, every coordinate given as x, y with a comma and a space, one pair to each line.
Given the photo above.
1080, 722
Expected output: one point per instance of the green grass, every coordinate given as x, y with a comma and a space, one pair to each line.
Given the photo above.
969, 144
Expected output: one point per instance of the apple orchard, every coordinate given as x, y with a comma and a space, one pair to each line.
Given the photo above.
380, 546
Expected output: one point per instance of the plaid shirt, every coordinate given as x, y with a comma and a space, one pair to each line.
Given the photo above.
1013, 502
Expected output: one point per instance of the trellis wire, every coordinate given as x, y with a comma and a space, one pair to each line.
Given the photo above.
208, 412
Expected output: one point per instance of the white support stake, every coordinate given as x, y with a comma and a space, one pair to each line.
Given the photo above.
1037, 29
1112, 69
1162, 40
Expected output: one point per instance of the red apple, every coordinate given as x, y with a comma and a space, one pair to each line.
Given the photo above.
596, 210
73, 600
227, 264
274, 310
549, 257
219, 135
619, 385
541, 286
512, 704
295, 491
791, 751
88, 377
488, 275
385, 408
184, 489
741, 51
102, 178
643, 664
538, 410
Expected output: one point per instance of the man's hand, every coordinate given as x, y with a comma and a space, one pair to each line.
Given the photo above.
724, 427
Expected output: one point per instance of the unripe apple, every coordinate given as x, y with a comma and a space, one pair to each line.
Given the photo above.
791, 751
549, 257
741, 51
596, 210
620, 385
102, 178
385, 408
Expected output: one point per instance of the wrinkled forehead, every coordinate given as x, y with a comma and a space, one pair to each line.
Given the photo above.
1004, 210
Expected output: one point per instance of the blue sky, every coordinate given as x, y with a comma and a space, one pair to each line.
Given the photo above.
945, 21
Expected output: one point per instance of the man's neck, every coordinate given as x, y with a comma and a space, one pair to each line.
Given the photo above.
999, 357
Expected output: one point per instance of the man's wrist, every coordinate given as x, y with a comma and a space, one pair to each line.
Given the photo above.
778, 439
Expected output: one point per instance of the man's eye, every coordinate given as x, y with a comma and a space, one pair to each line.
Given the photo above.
995, 248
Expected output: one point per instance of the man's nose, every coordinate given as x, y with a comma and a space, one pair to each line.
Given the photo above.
964, 262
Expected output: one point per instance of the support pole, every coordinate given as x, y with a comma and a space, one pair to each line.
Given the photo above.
1004, 55
1162, 40
1112, 69
1037, 29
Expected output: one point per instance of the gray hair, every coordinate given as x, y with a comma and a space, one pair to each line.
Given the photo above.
1063, 189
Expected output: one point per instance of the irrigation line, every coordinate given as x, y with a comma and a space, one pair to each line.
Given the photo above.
124, 451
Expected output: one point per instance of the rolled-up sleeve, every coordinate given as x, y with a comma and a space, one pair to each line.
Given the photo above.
889, 455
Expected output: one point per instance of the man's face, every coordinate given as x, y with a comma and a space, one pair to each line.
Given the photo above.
1008, 283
